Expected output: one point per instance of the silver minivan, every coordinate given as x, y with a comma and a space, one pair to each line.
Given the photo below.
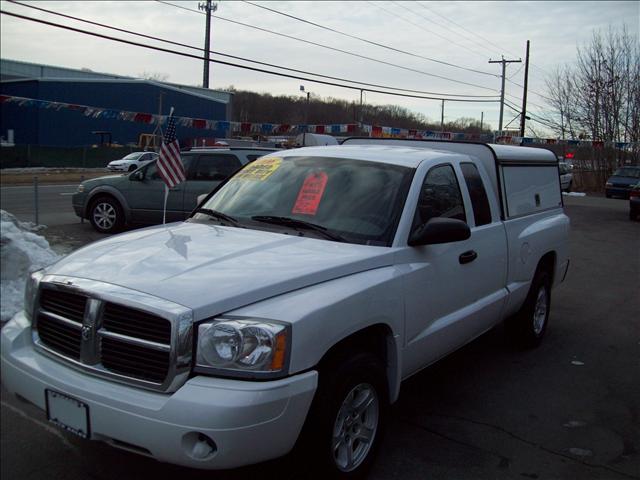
137, 198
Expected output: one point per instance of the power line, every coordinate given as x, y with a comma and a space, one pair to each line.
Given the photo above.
458, 34
151, 37
221, 62
435, 33
290, 37
370, 42
479, 36
500, 48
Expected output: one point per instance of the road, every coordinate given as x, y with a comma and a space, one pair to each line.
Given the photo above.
54, 203
569, 409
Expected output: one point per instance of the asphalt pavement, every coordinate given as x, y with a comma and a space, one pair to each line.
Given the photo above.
569, 409
54, 203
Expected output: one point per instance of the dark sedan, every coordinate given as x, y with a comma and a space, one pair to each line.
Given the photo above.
620, 183
634, 202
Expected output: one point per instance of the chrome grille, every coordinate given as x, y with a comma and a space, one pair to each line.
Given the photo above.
136, 323
65, 304
59, 336
134, 361
108, 338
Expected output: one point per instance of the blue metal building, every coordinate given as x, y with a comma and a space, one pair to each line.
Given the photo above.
39, 126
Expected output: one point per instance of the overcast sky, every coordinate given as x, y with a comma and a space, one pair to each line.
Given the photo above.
466, 34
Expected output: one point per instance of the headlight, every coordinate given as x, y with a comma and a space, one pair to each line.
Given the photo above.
243, 347
609, 184
80, 188
31, 292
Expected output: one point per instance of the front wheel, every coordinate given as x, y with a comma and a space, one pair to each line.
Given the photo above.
347, 417
529, 325
106, 215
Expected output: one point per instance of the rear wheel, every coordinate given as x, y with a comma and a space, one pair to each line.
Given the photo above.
529, 325
106, 214
346, 420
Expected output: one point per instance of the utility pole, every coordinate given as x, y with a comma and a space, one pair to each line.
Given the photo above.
504, 67
442, 117
481, 120
523, 115
208, 7
360, 116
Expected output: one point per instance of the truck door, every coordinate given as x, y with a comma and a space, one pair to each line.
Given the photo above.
454, 291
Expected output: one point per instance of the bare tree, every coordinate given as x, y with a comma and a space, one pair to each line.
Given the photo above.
599, 97
155, 76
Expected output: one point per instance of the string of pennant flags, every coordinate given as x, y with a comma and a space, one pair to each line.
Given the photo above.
284, 129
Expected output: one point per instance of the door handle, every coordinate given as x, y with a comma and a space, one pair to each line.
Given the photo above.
467, 257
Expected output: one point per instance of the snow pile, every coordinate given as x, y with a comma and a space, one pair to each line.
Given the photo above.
21, 252
574, 194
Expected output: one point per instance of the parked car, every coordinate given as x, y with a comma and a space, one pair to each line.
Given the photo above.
293, 302
634, 202
566, 176
132, 161
112, 202
619, 184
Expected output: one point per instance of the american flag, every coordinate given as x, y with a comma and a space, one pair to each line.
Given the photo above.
169, 163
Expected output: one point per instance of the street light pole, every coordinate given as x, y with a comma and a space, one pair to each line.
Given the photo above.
306, 116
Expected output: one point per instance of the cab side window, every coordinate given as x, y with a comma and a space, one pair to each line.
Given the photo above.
215, 167
479, 199
439, 197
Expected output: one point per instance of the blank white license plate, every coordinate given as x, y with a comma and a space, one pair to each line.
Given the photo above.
68, 413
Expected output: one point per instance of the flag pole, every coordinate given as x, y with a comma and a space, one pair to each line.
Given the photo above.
164, 211
166, 189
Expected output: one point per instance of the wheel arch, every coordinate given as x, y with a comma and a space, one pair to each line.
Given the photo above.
105, 190
548, 263
377, 339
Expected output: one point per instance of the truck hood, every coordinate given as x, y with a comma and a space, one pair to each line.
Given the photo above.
213, 269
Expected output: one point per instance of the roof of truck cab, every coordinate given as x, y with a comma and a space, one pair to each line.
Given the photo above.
394, 155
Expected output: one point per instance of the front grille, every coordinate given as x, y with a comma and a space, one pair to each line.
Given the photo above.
59, 336
109, 337
135, 323
134, 361
66, 304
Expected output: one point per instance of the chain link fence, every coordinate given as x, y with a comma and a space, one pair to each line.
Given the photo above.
26, 156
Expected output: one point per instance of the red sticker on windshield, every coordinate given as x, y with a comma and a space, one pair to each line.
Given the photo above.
310, 194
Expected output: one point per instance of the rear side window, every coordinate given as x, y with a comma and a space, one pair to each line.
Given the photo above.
479, 200
215, 167
439, 197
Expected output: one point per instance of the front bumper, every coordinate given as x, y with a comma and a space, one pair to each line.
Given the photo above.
249, 422
618, 191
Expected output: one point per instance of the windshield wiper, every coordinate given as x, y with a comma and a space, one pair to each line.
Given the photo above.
218, 215
298, 224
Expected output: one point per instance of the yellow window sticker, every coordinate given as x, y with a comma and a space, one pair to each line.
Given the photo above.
259, 170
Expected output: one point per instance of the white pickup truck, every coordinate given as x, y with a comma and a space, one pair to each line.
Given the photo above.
293, 302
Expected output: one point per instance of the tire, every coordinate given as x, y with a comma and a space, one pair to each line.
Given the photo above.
569, 187
132, 168
340, 431
527, 327
106, 214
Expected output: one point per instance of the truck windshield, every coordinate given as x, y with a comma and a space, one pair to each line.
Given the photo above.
350, 200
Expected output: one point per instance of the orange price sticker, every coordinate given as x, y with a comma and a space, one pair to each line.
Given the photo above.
310, 194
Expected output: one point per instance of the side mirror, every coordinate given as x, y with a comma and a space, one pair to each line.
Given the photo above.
201, 198
137, 176
439, 230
